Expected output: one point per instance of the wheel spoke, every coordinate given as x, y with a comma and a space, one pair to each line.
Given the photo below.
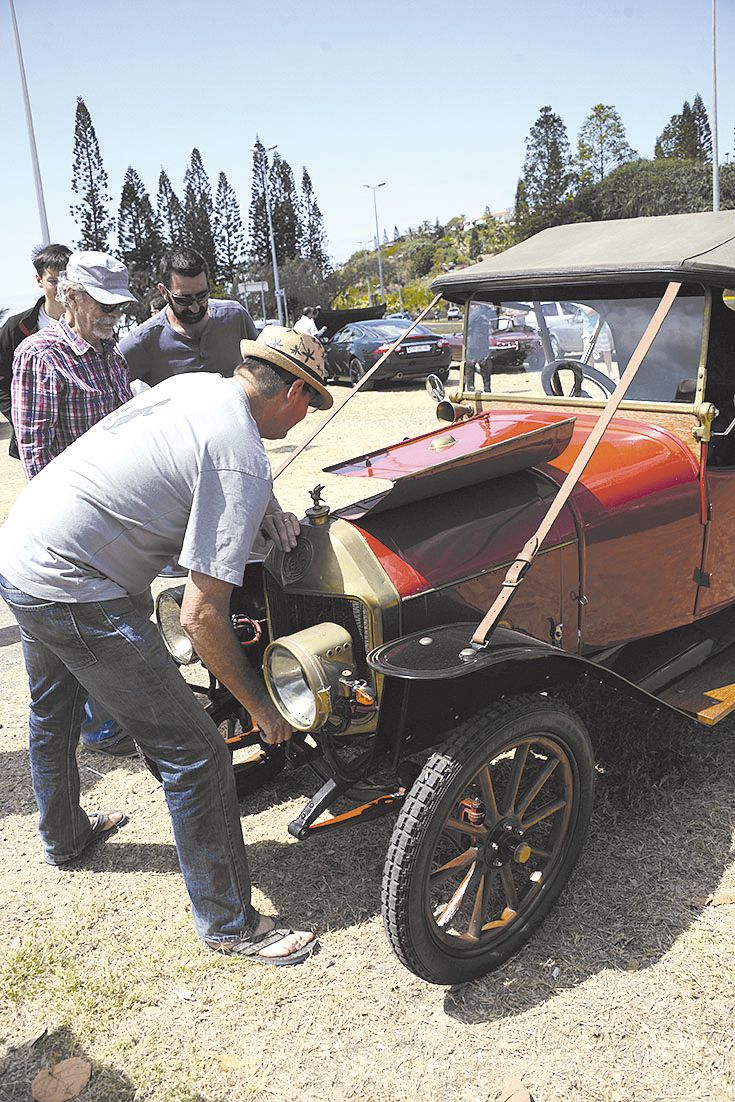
447, 913
485, 781
511, 895
465, 828
459, 862
523, 807
536, 852
519, 764
478, 908
549, 809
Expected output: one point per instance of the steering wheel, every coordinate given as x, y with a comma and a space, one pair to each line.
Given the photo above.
551, 382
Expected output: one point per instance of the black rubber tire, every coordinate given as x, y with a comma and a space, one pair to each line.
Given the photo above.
356, 372
535, 360
443, 374
409, 914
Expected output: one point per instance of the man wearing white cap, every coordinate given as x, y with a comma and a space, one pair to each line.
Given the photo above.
181, 468
70, 375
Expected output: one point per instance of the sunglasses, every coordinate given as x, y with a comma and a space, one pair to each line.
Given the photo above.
189, 300
106, 307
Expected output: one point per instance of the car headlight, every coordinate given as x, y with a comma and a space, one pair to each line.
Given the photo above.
168, 616
303, 672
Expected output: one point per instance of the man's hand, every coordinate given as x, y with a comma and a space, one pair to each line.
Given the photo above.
273, 726
282, 528
205, 617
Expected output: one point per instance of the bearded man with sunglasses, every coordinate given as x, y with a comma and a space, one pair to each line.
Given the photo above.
70, 375
192, 332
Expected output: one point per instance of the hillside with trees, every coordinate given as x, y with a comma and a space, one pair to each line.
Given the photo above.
600, 176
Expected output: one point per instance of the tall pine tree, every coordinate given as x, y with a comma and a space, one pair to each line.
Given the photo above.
89, 184
704, 133
313, 238
547, 170
198, 211
228, 232
284, 209
259, 248
602, 144
686, 136
170, 212
140, 245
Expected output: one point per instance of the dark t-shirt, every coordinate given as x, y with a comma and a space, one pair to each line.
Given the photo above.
155, 350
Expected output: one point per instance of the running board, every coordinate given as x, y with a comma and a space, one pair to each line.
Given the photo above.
707, 693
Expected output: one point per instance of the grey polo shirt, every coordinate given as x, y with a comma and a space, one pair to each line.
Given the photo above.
179, 470
155, 350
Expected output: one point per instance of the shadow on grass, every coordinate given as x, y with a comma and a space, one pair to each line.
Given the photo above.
20, 1065
16, 793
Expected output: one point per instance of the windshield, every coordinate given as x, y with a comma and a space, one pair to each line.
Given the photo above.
580, 348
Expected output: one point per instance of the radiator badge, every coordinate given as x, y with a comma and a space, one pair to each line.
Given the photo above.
294, 564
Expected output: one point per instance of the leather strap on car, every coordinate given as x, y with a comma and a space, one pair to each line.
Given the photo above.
521, 564
351, 394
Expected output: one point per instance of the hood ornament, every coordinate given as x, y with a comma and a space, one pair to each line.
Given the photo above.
319, 511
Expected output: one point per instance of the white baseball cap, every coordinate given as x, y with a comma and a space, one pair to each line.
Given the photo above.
103, 277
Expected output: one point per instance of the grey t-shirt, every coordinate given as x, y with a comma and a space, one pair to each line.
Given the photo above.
179, 470
155, 350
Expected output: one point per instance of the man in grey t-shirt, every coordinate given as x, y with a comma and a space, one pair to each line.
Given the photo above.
179, 468
192, 332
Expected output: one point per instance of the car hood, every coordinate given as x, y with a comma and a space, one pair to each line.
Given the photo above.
632, 459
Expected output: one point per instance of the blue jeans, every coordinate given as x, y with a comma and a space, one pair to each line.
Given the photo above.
108, 649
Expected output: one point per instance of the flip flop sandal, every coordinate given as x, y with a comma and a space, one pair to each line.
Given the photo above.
250, 948
105, 823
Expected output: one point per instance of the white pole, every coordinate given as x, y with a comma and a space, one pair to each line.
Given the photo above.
715, 152
31, 136
277, 285
374, 188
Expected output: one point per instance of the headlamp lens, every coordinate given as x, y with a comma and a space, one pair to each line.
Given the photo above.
290, 687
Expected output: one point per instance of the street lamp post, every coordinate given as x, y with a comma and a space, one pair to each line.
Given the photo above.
276, 283
374, 188
31, 135
715, 157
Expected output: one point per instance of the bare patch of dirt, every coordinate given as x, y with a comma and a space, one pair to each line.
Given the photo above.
627, 992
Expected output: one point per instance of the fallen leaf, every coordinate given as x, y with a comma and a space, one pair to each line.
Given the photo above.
63, 1081
514, 1091
229, 1061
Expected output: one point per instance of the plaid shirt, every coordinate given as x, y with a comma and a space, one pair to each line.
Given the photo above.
61, 387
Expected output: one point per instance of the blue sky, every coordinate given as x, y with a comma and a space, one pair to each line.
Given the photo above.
434, 98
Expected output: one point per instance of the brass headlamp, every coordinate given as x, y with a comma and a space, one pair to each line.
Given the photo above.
307, 673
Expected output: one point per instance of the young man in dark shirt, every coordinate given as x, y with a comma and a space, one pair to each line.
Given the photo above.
48, 262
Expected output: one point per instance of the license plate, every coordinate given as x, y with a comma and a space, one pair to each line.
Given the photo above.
507, 346
418, 348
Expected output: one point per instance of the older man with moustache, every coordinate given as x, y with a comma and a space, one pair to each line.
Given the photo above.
70, 375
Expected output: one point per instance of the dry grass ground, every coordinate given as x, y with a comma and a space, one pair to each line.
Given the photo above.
627, 992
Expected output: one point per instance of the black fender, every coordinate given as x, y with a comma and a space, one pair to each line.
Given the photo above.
435, 679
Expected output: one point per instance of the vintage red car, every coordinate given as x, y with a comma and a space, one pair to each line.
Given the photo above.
564, 527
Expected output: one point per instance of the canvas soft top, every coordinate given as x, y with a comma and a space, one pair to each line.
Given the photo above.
676, 246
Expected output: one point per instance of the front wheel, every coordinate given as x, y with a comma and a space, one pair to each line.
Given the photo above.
356, 372
487, 839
